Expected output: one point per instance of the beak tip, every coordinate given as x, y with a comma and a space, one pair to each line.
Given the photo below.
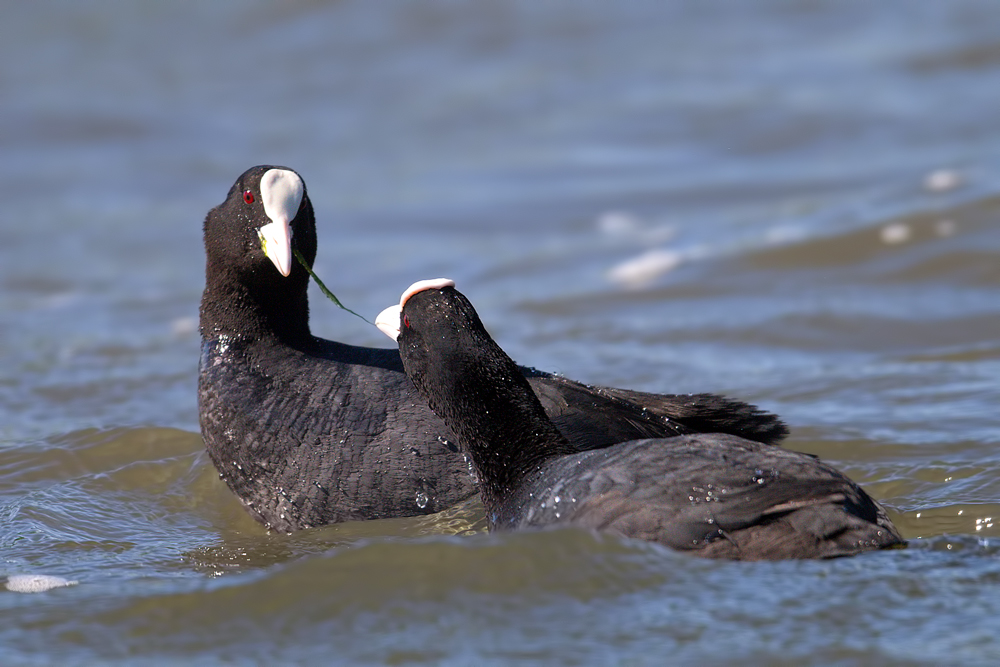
276, 241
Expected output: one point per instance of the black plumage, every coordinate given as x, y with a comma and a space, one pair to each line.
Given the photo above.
307, 431
710, 494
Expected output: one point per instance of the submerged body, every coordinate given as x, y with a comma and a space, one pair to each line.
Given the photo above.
307, 431
711, 494
714, 495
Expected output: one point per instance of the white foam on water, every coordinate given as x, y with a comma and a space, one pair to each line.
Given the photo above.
36, 583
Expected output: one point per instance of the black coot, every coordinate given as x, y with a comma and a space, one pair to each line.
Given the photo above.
308, 431
710, 494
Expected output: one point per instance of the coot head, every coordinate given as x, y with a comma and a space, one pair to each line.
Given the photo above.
426, 323
253, 282
266, 214
473, 385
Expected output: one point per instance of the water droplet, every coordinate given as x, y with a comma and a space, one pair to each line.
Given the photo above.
422, 499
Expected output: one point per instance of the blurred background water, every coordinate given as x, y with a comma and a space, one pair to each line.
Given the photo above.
795, 203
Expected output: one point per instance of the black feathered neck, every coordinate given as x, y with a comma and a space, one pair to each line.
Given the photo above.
477, 390
245, 295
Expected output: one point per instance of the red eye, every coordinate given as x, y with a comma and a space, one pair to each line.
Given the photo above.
406, 321
248, 197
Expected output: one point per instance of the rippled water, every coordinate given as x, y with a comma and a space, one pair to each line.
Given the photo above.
793, 203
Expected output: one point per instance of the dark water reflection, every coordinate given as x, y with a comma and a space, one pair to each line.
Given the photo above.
794, 203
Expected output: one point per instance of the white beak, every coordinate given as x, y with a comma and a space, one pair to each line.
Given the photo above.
281, 193
388, 321
276, 240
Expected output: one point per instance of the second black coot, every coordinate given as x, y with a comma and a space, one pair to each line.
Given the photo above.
710, 494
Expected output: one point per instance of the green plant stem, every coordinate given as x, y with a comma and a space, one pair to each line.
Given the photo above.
322, 287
